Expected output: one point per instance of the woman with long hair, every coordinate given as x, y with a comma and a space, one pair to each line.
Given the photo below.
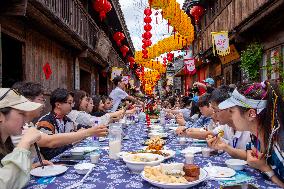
258, 108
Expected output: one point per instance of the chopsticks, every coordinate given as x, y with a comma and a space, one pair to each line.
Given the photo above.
39, 156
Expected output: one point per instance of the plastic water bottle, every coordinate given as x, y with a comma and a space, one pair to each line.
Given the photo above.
162, 117
96, 142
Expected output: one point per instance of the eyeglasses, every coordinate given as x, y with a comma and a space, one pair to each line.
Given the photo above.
41, 99
6, 93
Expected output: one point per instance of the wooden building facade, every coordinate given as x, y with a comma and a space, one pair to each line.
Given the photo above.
64, 34
246, 21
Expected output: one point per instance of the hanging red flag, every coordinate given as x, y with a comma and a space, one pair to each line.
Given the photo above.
47, 71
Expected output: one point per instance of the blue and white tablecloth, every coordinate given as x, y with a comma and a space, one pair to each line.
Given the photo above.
113, 174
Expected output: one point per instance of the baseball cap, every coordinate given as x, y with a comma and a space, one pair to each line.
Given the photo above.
10, 98
209, 80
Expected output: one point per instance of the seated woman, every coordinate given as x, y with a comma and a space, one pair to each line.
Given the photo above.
259, 108
80, 116
15, 161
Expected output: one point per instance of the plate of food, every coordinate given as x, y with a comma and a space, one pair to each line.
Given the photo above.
158, 134
166, 153
137, 162
155, 143
174, 175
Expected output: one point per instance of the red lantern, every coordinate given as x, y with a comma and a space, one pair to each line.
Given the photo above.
144, 46
131, 61
144, 51
170, 57
147, 12
148, 19
147, 35
148, 42
124, 49
118, 37
145, 56
147, 27
196, 12
103, 7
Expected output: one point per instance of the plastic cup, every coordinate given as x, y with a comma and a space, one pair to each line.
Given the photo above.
95, 157
189, 158
206, 152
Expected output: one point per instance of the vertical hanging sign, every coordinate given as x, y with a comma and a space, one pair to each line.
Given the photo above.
220, 43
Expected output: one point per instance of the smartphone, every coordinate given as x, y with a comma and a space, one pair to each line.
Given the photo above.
71, 157
67, 163
241, 186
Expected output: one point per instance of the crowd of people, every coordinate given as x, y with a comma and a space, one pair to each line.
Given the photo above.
250, 116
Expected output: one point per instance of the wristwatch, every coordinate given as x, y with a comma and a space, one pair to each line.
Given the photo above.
269, 174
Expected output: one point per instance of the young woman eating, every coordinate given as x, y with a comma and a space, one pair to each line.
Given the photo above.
258, 108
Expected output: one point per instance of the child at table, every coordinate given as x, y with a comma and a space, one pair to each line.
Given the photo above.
259, 108
15, 161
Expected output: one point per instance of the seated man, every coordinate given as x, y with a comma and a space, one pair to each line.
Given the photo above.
62, 132
203, 122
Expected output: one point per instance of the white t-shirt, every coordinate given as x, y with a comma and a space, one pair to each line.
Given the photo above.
237, 140
117, 95
81, 117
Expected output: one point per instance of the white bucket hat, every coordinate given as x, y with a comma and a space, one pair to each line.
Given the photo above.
10, 98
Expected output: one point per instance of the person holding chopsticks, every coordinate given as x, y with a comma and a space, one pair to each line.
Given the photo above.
259, 108
15, 161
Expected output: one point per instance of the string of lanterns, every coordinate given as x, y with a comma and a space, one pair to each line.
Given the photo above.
172, 43
176, 17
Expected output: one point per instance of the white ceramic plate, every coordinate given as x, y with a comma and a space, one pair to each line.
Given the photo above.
191, 149
173, 128
48, 171
202, 177
220, 172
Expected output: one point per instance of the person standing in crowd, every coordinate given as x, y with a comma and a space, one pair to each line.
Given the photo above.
15, 161
259, 108
119, 93
208, 86
62, 131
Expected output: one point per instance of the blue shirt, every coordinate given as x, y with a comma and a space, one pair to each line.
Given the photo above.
276, 160
200, 123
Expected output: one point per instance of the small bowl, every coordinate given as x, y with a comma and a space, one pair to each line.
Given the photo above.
236, 164
83, 168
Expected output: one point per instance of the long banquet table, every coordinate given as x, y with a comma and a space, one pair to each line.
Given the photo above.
114, 174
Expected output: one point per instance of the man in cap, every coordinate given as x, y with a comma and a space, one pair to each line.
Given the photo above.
208, 86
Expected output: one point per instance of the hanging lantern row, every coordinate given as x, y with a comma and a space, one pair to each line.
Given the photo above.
176, 17
149, 80
172, 43
147, 34
102, 7
154, 65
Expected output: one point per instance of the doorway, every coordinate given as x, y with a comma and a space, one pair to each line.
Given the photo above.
85, 81
12, 65
103, 84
